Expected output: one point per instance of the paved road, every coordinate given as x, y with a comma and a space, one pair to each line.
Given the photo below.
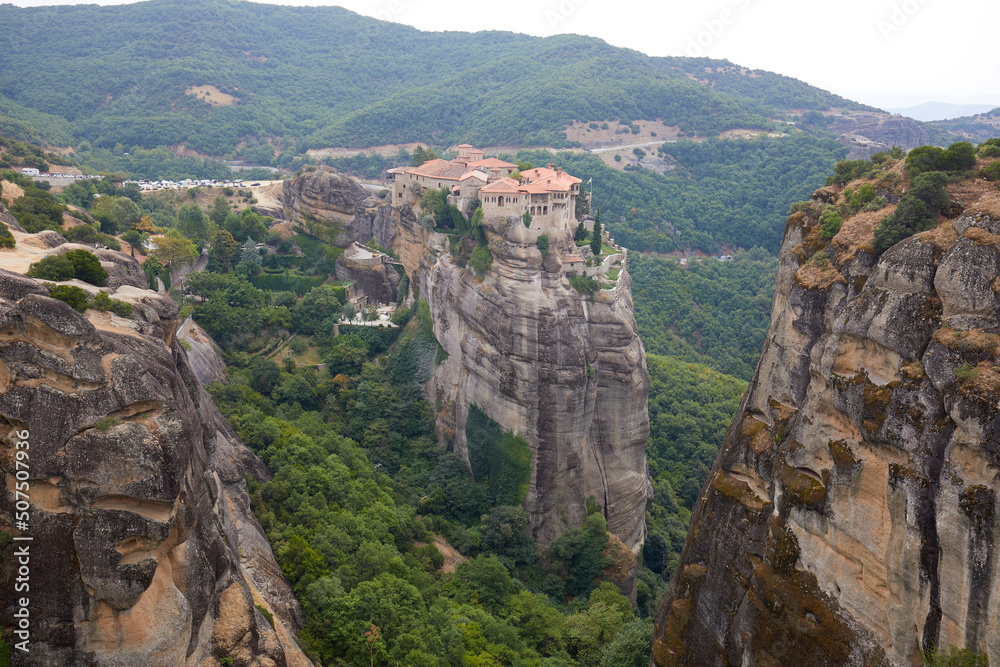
627, 146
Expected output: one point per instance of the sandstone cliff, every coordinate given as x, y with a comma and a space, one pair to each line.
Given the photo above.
850, 516
337, 209
566, 373
144, 549
371, 273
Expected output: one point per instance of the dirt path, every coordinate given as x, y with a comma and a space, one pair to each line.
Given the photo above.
451, 556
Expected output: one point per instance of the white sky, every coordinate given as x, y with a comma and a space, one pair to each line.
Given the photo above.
888, 53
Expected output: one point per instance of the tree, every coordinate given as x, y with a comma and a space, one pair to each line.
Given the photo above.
193, 224
134, 238
526, 219
505, 533
173, 249
219, 210
318, 310
595, 241
222, 251
125, 213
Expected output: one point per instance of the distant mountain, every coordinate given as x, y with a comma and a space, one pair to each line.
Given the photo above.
929, 111
226, 75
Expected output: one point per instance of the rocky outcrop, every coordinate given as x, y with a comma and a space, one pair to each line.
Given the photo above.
122, 269
144, 550
868, 133
850, 515
7, 218
371, 272
337, 209
202, 354
566, 373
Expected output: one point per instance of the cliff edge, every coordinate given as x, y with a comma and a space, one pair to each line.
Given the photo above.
850, 515
143, 548
564, 372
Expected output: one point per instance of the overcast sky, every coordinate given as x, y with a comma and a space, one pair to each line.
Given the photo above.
888, 53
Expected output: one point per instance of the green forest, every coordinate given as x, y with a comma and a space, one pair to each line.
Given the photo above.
733, 192
293, 78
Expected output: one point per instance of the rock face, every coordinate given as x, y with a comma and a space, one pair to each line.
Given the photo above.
868, 133
371, 273
7, 218
337, 209
565, 373
851, 513
144, 549
202, 354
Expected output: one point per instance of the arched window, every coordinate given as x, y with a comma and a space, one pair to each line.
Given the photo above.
500, 201
545, 210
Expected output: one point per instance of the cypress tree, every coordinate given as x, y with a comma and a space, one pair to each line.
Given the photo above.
595, 242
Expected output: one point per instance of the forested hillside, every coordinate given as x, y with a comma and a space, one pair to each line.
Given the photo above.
725, 191
212, 73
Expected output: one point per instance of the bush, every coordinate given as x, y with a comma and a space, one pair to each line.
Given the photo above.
481, 260
78, 264
830, 223
71, 294
543, 244
103, 302
915, 212
991, 172
584, 284
90, 234
6, 238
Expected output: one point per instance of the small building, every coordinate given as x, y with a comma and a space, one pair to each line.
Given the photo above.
30, 171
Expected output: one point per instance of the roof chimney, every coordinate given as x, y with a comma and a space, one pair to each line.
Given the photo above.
551, 165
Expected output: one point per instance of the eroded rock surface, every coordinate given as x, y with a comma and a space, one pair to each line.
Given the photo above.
144, 549
337, 209
566, 373
850, 515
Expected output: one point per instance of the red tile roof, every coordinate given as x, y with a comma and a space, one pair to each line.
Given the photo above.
492, 163
502, 186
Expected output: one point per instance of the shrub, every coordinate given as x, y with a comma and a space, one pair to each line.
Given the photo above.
71, 294
543, 244
90, 234
915, 212
954, 657
584, 284
830, 223
6, 238
266, 614
481, 260
78, 264
103, 302
991, 172
107, 424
